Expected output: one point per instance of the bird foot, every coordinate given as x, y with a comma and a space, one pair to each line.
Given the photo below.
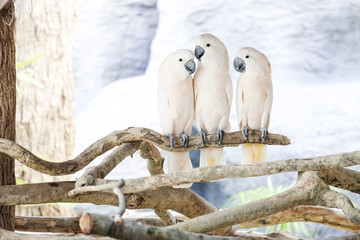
245, 132
185, 139
263, 134
202, 137
172, 141
219, 135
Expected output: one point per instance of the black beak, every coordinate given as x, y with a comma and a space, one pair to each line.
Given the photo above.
199, 52
190, 66
239, 65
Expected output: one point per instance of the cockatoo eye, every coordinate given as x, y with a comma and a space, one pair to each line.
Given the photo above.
180, 59
208, 45
247, 56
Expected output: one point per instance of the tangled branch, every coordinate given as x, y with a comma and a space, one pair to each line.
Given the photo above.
207, 174
311, 189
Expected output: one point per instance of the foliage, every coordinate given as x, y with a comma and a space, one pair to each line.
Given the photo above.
264, 192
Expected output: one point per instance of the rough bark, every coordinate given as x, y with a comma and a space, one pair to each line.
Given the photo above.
342, 178
128, 135
105, 226
177, 199
45, 113
331, 217
207, 174
183, 201
107, 164
47, 224
7, 104
309, 190
7, 235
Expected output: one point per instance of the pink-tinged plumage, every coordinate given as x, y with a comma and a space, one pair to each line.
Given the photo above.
254, 96
213, 94
176, 104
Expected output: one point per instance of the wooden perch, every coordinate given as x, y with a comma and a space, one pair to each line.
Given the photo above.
116, 138
155, 192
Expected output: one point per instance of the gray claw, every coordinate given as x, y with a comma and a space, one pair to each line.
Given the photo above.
202, 137
245, 132
185, 139
172, 141
263, 134
220, 135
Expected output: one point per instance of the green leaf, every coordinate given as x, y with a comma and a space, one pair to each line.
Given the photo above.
27, 78
29, 61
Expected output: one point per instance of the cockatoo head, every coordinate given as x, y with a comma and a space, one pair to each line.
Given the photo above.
251, 62
210, 51
178, 65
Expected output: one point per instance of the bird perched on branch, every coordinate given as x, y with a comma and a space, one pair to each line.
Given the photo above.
176, 104
213, 95
254, 97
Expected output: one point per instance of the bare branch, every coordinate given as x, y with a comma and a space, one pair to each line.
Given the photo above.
335, 199
342, 178
207, 174
155, 161
180, 200
331, 217
303, 192
48, 224
103, 225
128, 135
21, 236
107, 164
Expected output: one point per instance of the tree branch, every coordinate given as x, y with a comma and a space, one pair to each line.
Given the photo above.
335, 199
107, 164
303, 192
21, 236
180, 200
331, 217
103, 225
48, 224
207, 174
342, 178
128, 135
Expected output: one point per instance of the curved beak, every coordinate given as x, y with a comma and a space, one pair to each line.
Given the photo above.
190, 66
199, 52
239, 65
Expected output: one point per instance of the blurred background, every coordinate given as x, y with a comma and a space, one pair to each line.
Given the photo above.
110, 52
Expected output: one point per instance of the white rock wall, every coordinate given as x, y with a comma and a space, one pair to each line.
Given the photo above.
112, 42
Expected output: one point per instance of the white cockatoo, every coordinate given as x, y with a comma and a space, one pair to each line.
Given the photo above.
213, 95
176, 104
254, 97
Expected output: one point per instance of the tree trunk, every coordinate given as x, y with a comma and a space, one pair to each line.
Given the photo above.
45, 111
7, 105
